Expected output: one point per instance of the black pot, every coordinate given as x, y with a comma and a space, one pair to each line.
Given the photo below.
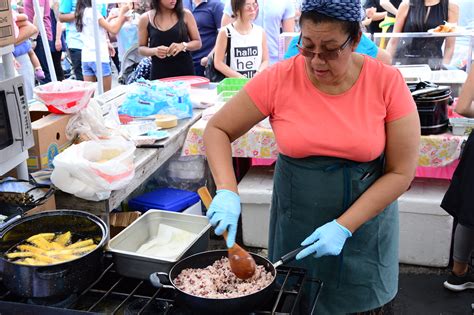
204, 305
432, 103
58, 280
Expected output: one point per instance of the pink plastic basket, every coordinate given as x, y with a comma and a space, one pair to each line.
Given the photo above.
65, 97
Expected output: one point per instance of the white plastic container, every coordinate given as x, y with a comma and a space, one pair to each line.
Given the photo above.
461, 126
255, 191
425, 228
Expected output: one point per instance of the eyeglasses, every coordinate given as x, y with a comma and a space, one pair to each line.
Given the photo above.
325, 54
251, 6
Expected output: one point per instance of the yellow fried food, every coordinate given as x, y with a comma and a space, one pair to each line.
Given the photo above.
81, 244
63, 239
56, 245
46, 259
66, 257
31, 248
83, 250
59, 252
19, 255
46, 236
41, 243
47, 248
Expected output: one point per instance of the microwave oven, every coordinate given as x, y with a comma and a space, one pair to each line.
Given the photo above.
16, 135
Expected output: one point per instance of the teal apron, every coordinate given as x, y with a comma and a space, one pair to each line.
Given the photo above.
310, 192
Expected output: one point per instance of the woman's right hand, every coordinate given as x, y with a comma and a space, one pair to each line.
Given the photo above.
224, 214
161, 52
124, 9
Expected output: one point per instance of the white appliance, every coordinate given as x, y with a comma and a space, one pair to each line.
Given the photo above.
16, 135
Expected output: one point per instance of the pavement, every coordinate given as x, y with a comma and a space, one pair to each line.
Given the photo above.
421, 291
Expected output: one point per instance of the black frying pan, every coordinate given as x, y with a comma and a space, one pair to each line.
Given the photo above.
220, 306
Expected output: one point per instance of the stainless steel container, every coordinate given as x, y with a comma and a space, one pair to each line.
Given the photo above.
124, 246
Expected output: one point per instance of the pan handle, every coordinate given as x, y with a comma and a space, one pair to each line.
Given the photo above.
45, 274
156, 281
289, 257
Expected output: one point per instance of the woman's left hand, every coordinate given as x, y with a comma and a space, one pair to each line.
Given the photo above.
326, 240
175, 48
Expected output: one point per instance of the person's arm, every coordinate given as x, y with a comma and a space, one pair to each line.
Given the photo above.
265, 55
59, 29
219, 55
26, 30
226, 19
193, 33
69, 17
378, 16
114, 25
65, 11
227, 15
400, 20
401, 152
465, 105
232, 121
288, 19
384, 56
387, 5
453, 17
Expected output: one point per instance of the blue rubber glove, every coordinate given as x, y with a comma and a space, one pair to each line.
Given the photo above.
224, 214
327, 240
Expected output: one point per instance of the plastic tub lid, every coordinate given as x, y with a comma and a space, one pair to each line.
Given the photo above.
169, 199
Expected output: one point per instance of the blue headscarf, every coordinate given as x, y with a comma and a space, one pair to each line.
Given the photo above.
345, 10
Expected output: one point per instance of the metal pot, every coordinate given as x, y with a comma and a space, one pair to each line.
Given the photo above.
220, 306
432, 103
56, 280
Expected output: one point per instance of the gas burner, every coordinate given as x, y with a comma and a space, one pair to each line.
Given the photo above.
116, 295
58, 302
140, 306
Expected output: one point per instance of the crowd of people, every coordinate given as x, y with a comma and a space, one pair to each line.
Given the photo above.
213, 38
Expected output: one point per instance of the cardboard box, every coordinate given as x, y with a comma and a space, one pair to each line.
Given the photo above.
49, 131
7, 33
120, 220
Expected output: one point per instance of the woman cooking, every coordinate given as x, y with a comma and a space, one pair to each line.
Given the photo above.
348, 132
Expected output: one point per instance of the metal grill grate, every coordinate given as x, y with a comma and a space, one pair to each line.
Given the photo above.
114, 294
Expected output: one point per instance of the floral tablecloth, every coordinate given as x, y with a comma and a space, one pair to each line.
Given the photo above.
435, 150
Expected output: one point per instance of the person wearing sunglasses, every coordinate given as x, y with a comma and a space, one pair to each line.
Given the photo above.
348, 134
365, 47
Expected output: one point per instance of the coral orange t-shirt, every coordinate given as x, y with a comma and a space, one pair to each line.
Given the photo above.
308, 122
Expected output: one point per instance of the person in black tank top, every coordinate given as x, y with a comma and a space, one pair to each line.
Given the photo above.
421, 16
168, 33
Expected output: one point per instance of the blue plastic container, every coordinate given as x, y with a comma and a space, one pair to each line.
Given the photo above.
169, 199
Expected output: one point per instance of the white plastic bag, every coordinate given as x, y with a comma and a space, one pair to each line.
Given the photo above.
88, 124
92, 169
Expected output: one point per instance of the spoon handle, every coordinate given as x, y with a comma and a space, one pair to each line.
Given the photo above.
206, 198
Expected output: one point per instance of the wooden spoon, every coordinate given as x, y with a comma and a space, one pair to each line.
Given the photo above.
241, 262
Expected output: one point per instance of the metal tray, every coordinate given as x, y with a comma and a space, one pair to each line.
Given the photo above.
124, 246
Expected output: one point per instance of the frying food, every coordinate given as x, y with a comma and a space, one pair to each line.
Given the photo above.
445, 28
219, 282
49, 248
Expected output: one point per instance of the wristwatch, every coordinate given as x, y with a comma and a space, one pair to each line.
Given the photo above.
185, 46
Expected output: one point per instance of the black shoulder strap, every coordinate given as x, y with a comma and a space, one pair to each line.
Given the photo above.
227, 50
